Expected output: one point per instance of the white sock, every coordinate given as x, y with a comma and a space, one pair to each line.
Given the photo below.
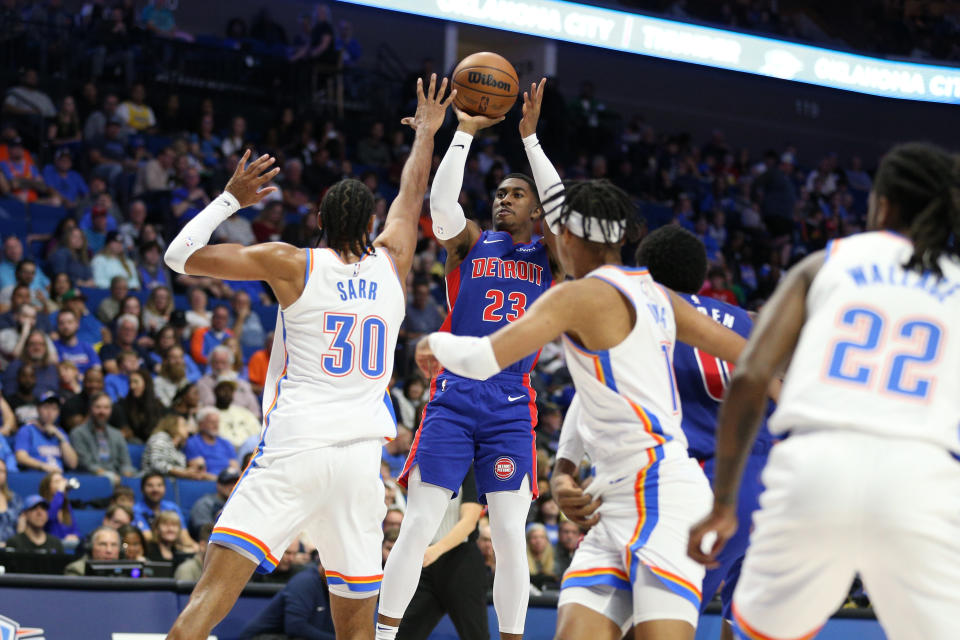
511, 582
426, 504
386, 632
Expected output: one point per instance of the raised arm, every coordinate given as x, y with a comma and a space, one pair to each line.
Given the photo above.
561, 309
450, 225
770, 347
544, 173
399, 235
281, 265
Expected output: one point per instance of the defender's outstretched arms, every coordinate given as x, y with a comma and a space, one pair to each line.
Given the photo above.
280, 265
770, 347
566, 308
399, 235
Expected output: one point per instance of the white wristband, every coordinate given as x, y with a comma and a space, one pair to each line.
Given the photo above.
465, 356
196, 233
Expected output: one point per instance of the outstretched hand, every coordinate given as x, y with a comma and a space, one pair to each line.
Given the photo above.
431, 108
715, 529
532, 101
427, 362
471, 124
246, 181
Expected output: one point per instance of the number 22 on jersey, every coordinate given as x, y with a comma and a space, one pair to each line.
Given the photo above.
862, 355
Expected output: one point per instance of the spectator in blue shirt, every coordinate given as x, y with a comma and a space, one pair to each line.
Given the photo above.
43, 445
154, 490
12, 256
217, 453
69, 347
97, 222
301, 610
117, 385
89, 329
64, 180
25, 275
188, 200
8, 459
73, 258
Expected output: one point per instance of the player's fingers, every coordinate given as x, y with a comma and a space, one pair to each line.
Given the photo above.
449, 100
590, 522
257, 166
431, 92
268, 176
408, 121
443, 90
593, 506
263, 193
420, 97
242, 163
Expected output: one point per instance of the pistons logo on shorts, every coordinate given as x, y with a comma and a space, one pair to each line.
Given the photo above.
504, 468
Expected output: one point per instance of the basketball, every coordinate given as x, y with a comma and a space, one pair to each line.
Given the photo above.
486, 84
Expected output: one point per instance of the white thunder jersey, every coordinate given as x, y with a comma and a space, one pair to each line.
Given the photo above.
879, 351
628, 393
333, 355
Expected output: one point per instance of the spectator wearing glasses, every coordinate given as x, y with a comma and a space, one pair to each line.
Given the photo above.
104, 547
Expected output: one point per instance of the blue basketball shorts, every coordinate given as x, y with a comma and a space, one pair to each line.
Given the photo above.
488, 423
731, 557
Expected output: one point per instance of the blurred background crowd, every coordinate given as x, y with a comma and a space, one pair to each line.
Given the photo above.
131, 395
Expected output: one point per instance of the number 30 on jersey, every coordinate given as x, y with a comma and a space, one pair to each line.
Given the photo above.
340, 359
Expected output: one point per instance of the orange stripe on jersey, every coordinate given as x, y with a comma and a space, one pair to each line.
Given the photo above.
753, 634
645, 420
586, 573
666, 575
249, 538
355, 579
640, 497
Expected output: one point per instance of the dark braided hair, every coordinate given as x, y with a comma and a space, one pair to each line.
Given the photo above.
600, 199
344, 215
675, 257
923, 180
528, 180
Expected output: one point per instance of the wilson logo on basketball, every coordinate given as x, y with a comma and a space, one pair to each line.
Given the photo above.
504, 468
487, 80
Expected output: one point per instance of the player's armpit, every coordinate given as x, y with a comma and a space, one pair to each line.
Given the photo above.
700, 331
281, 265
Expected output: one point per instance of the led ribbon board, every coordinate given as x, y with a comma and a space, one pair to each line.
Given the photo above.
719, 48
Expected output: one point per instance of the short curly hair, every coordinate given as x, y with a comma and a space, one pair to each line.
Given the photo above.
675, 257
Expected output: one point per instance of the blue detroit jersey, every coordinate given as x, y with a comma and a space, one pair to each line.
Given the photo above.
494, 285
702, 381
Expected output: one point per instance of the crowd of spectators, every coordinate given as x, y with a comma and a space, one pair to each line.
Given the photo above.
105, 351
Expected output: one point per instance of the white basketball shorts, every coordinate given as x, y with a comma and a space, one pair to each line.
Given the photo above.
334, 494
632, 566
841, 502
